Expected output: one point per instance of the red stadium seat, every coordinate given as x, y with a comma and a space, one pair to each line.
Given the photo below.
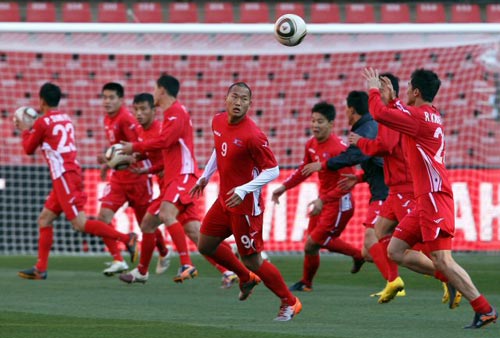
254, 12
325, 13
430, 13
465, 13
182, 12
219, 12
359, 13
112, 12
493, 13
9, 12
41, 12
289, 8
76, 12
394, 13
147, 12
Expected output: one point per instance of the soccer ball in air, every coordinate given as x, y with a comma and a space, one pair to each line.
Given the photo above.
115, 159
290, 30
27, 115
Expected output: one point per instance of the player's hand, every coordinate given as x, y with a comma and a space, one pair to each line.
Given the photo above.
353, 139
101, 159
317, 206
311, 168
277, 193
386, 90
234, 200
198, 188
347, 182
127, 148
372, 78
104, 172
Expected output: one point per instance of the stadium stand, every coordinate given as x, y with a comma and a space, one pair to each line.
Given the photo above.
41, 12
147, 12
430, 13
182, 12
465, 13
76, 12
9, 12
219, 12
254, 12
112, 12
289, 7
493, 13
394, 13
325, 13
359, 13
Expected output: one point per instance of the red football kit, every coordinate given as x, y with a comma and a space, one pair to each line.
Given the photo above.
176, 143
54, 133
242, 154
338, 206
424, 144
124, 185
388, 145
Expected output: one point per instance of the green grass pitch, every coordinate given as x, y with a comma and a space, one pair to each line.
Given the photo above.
78, 301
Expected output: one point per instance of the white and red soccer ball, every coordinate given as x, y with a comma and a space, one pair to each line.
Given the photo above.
290, 30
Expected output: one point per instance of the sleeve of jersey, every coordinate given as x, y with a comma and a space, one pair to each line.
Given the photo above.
257, 183
383, 145
171, 131
296, 177
261, 152
34, 137
210, 167
129, 127
348, 158
399, 118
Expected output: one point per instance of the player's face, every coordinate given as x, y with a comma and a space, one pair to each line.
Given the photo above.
111, 102
237, 103
321, 127
144, 113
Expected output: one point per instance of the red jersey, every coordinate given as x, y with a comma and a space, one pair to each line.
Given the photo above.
321, 151
423, 142
55, 133
155, 157
175, 141
122, 127
388, 144
243, 153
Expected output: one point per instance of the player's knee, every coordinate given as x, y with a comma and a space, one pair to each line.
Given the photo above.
395, 255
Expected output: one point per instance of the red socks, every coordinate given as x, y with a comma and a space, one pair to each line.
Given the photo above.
392, 268
176, 231
45, 240
481, 305
147, 248
273, 279
160, 243
380, 259
101, 229
338, 245
224, 256
311, 265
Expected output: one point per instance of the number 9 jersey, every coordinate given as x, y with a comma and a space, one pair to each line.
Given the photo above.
55, 133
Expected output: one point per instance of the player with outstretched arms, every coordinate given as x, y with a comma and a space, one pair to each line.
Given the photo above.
54, 133
334, 207
123, 185
245, 163
433, 219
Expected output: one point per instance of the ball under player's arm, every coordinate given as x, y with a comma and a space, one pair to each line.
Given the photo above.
32, 138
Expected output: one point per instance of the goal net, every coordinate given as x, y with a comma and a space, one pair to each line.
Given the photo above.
286, 83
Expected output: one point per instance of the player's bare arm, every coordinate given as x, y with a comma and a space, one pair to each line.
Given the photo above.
277, 193
311, 168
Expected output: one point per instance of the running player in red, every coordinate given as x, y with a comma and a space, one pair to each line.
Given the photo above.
400, 200
123, 186
150, 128
54, 133
433, 219
245, 164
334, 207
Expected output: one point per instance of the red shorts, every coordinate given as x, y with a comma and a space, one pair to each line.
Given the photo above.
431, 222
331, 221
177, 190
67, 195
372, 213
397, 206
138, 196
247, 230
187, 213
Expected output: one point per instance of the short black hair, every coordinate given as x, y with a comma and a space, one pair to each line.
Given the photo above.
240, 84
51, 94
144, 97
326, 109
394, 81
359, 101
170, 84
116, 87
427, 82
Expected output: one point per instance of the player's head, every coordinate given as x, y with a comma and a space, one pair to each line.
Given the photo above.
394, 81
423, 86
167, 88
144, 109
323, 115
238, 101
50, 95
357, 106
112, 97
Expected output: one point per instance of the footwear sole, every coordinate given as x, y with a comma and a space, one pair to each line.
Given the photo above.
25, 276
180, 279
111, 274
391, 297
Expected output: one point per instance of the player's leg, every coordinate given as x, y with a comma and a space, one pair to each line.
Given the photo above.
45, 240
310, 266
